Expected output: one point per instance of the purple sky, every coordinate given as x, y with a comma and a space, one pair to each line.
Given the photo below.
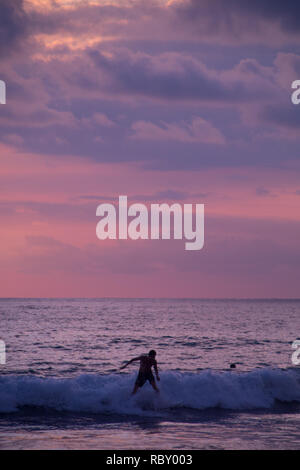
178, 101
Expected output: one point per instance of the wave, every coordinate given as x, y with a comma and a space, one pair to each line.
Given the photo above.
92, 393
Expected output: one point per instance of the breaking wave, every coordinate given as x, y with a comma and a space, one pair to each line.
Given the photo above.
88, 393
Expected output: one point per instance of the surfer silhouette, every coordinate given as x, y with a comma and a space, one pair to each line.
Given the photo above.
147, 361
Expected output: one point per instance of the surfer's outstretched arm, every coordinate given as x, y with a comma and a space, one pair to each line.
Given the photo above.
129, 362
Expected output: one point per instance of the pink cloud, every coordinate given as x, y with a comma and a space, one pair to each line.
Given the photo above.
199, 130
210, 21
98, 119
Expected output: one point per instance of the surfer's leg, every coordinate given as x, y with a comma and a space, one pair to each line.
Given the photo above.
135, 389
138, 383
141, 379
153, 383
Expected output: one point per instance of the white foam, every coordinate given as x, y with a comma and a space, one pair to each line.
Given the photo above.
259, 388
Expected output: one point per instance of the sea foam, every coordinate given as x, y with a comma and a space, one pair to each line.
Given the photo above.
92, 393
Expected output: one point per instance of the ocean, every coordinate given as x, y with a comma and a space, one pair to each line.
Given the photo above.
61, 387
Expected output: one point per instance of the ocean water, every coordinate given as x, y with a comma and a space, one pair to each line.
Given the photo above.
61, 388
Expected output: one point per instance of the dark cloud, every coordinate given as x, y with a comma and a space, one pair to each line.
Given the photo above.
53, 101
182, 78
287, 13
235, 15
287, 116
212, 19
263, 192
13, 25
139, 20
172, 76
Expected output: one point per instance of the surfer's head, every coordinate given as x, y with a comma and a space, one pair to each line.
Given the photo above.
152, 353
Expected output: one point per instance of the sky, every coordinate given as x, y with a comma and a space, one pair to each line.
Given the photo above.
163, 101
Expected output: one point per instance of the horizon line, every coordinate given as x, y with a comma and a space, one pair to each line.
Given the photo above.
152, 298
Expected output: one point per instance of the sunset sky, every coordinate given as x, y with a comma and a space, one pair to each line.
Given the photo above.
163, 101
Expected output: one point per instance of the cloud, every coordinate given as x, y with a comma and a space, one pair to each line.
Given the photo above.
287, 68
263, 192
280, 121
90, 101
285, 13
255, 21
13, 25
176, 77
44, 211
198, 130
212, 21
14, 139
98, 119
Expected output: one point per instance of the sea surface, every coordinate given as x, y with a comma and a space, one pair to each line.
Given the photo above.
61, 387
